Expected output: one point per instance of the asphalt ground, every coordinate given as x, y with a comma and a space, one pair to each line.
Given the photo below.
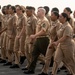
5, 70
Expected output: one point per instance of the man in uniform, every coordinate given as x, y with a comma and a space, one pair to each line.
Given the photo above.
55, 24
30, 29
42, 41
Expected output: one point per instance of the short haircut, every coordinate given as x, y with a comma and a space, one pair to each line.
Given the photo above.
43, 10
13, 8
56, 14
8, 6
55, 9
47, 9
29, 7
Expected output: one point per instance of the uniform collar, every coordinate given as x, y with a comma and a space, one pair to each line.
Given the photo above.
54, 22
20, 16
64, 25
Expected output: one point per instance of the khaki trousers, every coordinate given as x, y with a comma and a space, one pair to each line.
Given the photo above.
10, 46
64, 53
28, 50
49, 53
19, 48
3, 45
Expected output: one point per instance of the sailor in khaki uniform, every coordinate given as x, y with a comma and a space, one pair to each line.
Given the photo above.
20, 37
11, 33
3, 34
42, 41
65, 46
47, 15
68, 11
55, 24
30, 29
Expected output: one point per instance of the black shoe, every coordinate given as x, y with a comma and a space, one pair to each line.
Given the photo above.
6, 57
22, 58
66, 71
3, 61
43, 73
29, 72
14, 66
7, 64
63, 68
0, 59
42, 63
25, 68
58, 70
51, 64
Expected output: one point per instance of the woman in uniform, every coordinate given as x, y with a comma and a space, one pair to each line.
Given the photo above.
19, 43
68, 11
65, 46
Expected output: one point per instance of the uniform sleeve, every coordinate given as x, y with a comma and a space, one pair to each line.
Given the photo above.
14, 25
34, 24
45, 26
14, 20
72, 22
67, 31
24, 21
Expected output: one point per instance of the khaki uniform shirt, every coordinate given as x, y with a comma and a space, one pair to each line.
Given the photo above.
65, 30
5, 19
53, 30
31, 25
11, 28
22, 21
0, 17
71, 22
49, 18
42, 24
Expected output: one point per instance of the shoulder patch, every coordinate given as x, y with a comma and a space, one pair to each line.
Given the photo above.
44, 25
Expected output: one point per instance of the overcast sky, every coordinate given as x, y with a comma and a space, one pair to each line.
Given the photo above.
61, 4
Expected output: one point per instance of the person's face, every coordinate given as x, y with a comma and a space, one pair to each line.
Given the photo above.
28, 12
10, 10
53, 17
39, 12
5, 10
74, 14
61, 18
18, 10
67, 12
